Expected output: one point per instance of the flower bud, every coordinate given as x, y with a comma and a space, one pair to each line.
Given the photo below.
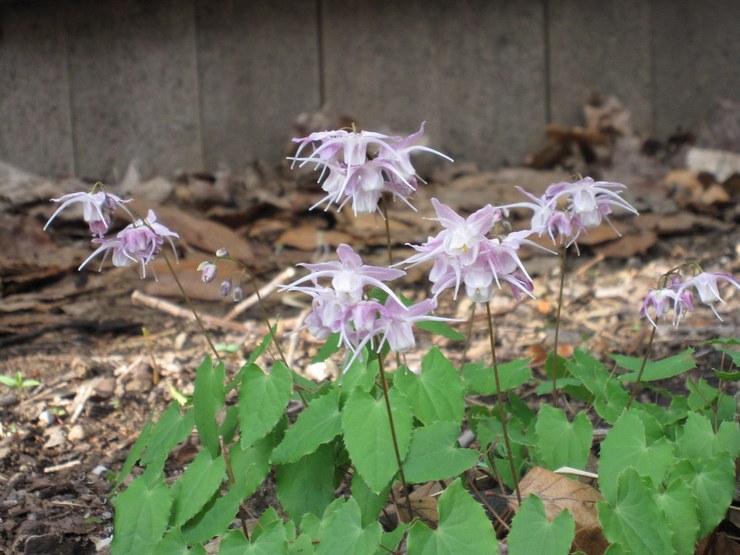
207, 271
237, 294
222, 252
225, 288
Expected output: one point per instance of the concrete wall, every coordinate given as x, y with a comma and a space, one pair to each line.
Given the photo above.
88, 85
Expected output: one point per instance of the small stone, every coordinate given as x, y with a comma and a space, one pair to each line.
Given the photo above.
77, 433
46, 418
105, 388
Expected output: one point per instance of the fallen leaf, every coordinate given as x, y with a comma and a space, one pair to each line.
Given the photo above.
560, 492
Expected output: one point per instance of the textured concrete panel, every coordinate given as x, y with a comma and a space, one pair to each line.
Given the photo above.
35, 133
696, 53
491, 79
134, 87
601, 46
473, 70
258, 66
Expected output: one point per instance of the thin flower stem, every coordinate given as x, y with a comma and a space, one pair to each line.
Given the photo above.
188, 302
563, 258
502, 414
384, 384
642, 366
230, 473
389, 247
468, 336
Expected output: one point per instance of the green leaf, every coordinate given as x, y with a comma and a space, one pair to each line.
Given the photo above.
433, 455
342, 531
437, 392
307, 486
141, 514
7, 380
698, 441
713, 481
262, 400
216, 518
171, 429
319, 423
625, 445
678, 506
701, 394
633, 520
367, 435
562, 443
655, 370
361, 373
441, 328
391, 540
270, 542
174, 544
196, 486
330, 346
480, 379
463, 527
611, 396
531, 532
731, 376
250, 466
139, 445
208, 398
725, 345
370, 503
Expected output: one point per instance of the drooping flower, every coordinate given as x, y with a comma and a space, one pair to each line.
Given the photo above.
706, 285
96, 209
138, 243
361, 166
661, 301
344, 306
462, 253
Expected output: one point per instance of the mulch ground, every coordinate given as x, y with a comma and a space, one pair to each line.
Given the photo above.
109, 349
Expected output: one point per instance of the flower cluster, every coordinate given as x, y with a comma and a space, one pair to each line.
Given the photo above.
232, 284
678, 297
361, 166
138, 243
343, 306
463, 253
585, 203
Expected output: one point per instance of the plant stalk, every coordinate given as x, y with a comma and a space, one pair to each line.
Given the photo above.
502, 413
642, 366
563, 258
384, 383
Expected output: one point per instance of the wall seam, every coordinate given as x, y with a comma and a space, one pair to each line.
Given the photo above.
548, 79
320, 52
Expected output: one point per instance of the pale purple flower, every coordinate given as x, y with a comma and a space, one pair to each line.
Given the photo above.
706, 286
591, 201
560, 225
207, 271
137, 243
361, 166
666, 299
96, 209
349, 275
462, 253
396, 320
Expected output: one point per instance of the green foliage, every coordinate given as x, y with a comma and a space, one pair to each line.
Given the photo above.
562, 443
632, 519
196, 486
463, 527
531, 532
433, 455
18, 382
262, 400
317, 425
655, 370
367, 435
208, 399
437, 393
342, 531
142, 513
172, 428
480, 379
307, 485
